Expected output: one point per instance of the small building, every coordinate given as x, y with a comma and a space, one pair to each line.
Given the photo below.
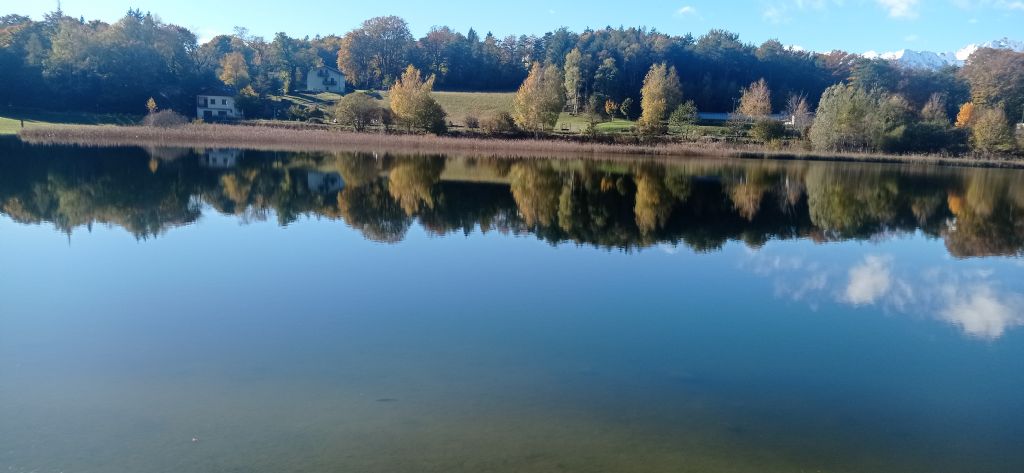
325, 79
216, 107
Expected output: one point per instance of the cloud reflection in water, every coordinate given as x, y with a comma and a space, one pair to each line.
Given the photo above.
973, 300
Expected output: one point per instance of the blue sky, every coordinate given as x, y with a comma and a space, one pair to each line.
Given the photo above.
853, 25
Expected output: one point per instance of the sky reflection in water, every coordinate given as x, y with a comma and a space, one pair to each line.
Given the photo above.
384, 313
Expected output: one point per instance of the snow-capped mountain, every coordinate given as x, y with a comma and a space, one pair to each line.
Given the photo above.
931, 60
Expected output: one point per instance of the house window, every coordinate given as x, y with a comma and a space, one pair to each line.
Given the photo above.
223, 101
223, 113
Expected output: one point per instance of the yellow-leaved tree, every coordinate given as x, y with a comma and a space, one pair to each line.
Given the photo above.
966, 115
540, 99
756, 101
661, 93
413, 104
234, 71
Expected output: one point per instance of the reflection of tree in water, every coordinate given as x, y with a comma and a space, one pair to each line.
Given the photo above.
989, 215
411, 182
370, 209
536, 187
748, 192
851, 203
703, 205
78, 188
654, 202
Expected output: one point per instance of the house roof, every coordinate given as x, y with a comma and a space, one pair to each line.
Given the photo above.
218, 91
329, 68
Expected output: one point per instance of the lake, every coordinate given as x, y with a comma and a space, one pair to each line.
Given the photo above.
172, 310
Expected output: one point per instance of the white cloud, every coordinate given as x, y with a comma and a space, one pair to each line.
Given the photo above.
1016, 5
900, 8
686, 10
778, 11
981, 312
869, 281
774, 14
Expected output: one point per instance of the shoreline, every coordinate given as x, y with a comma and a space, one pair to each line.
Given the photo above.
273, 138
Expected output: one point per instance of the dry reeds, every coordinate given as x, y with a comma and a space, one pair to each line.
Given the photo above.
290, 139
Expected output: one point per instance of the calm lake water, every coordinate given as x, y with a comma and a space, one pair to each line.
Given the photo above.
166, 310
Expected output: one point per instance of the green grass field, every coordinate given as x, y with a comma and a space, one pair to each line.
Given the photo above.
10, 120
460, 105
481, 105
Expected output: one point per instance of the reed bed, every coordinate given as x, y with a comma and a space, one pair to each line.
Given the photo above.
273, 138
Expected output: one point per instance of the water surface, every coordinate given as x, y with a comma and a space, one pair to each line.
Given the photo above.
175, 310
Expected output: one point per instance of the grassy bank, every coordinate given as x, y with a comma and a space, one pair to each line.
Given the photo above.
291, 139
11, 120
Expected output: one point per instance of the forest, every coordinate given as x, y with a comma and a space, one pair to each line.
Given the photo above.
74, 64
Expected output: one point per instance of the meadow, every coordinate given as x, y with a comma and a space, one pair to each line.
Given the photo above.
11, 119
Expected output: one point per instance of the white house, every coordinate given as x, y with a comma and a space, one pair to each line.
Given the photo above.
220, 158
216, 107
325, 79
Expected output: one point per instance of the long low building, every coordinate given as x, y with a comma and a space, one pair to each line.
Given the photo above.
725, 116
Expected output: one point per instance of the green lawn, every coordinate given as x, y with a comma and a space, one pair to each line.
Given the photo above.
10, 120
460, 105
481, 105
577, 124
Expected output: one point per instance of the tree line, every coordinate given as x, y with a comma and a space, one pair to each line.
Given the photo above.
636, 73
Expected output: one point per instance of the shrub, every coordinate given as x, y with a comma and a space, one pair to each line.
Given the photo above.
297, 112
684, 114
357, 111
302, 114
385, 118
766, 130
610, 107
472, 122
164, 119
501, 122
923, 137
